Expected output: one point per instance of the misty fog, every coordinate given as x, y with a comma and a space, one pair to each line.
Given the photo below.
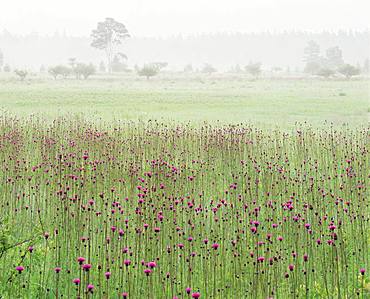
224, 34
221, 50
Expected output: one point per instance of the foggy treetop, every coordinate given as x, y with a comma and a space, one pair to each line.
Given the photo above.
222, 50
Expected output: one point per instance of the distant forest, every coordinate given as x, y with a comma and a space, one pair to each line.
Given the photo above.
222, 50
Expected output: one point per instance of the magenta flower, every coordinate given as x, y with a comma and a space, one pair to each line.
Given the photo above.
362, 271
57, 269
124, 295
127, 262
86, 267
195, 295
332, 227
188, 290
215, 246
90, 288
76, 281
256, 223
147, 271
107, 275
80, 260
152, 265
260, 259
19, 269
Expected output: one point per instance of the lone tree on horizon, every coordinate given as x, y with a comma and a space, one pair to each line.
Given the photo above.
107, 36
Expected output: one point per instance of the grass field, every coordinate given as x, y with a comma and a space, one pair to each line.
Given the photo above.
198, 99
150, 211
97, 204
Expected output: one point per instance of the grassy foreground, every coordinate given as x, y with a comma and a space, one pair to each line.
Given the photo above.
148, 210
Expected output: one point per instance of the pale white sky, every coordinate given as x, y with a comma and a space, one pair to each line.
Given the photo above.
173, 17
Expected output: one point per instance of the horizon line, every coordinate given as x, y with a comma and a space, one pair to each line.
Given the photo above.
64, 33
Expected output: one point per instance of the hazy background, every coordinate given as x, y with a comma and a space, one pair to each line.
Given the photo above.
223, 33
172, 17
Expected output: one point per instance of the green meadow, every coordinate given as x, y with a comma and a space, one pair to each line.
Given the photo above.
227, 99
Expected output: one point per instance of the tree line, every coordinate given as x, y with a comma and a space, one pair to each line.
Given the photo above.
331, 63
110, 34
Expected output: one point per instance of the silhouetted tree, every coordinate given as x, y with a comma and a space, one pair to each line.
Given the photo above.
312, 67
148, 71
188, 68
334, 58
312, 58
84, 70
151, 69
107, 36
53, 71
118, 63
349, 70
254, 69
208, 69
60, 70
22, 74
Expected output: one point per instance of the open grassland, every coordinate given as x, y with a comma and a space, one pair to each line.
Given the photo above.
229, 99
184, 187
151, 210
